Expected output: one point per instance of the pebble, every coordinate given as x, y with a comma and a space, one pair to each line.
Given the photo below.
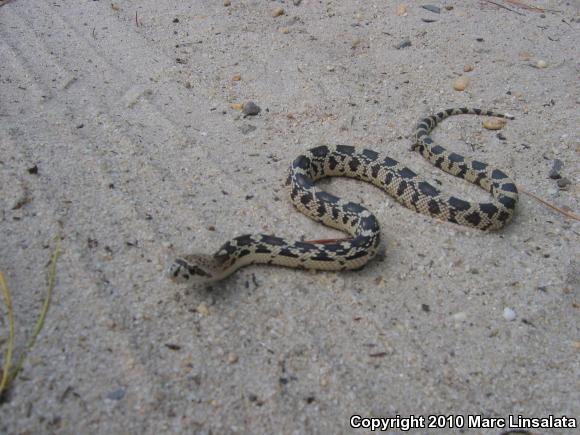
118, 394
557, 166
524, 55
494, 123
227, 3
459, 317
467, 68
250, 109
541, 64
284, 30
431, 8
277, 12
461, 83
237, 106
233, 358
202, 309
403, 44
563, 183
401, 11
509, 314
237, 77
247, 128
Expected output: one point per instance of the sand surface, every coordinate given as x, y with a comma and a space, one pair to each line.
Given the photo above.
117, 132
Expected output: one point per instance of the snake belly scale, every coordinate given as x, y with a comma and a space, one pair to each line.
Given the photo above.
398, 181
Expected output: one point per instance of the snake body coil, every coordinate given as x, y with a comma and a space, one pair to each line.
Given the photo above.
397, 180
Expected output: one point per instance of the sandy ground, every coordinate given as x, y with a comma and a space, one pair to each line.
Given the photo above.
117, 131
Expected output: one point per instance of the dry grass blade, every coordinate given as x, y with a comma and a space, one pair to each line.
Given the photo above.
9, 350
8, 374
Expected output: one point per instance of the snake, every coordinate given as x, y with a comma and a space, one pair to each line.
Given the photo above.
400, 182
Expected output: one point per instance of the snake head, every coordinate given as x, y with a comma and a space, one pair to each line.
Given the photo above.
194, 269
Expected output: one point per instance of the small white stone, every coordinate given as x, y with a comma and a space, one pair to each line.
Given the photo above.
509, 314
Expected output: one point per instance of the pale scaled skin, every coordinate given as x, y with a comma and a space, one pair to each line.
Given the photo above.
397, 180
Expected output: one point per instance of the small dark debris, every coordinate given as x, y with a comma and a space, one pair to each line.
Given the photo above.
118, 394
172, 346
181, 61
283, 381
425, 308
211, 228
525, 146
557, 166
479, 39
224, 192
403, 44
432, 8
134, 244
176, 20
80, 125
252, 397
248, 197
549, 103
92, 243
428, 20
111, 185
500, 136
247, 128
251, 109
527, 322
148, 217
310, 399
33, 170
543, 288
378, 354
563, 183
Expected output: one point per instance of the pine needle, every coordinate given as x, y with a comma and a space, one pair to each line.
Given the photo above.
553, 207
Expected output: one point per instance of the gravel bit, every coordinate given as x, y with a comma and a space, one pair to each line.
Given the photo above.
277, 12
563, 183
461, 83
403, 44
251, 109
247, 128
431, 8
494, 123
557, 166
509, 314
118, 394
